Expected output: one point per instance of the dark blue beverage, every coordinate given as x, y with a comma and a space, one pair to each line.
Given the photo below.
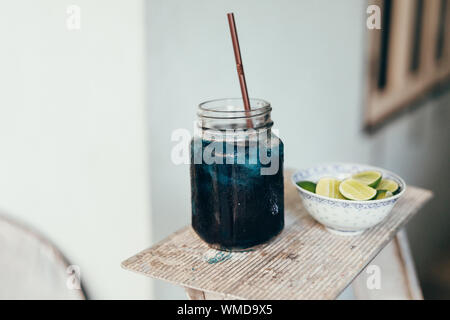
235, 205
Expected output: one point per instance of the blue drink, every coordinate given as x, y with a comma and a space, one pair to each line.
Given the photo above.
235, 203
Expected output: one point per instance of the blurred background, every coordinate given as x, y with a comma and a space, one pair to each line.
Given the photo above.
92, 90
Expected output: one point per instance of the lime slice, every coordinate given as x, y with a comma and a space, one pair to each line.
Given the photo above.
329, 187
354, 190
389, 185
369, 178
307, 185
383, 194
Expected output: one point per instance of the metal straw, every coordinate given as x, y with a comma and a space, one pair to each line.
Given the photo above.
240, 67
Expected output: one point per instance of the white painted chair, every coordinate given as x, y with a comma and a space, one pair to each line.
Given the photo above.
31, 267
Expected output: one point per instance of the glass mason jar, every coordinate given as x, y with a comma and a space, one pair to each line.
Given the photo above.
237, 189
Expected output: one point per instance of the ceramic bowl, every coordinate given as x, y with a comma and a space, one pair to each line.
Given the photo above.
345, 217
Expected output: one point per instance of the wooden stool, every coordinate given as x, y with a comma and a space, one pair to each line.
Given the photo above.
304, 262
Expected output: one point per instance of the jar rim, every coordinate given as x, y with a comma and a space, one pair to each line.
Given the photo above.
233, 108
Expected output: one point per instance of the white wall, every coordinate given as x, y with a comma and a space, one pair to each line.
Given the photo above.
416, 146
73, 143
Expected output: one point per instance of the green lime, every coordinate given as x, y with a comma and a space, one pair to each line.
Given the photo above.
329, 187
383, 194
307, 185
389, 185
369, 178
354, 190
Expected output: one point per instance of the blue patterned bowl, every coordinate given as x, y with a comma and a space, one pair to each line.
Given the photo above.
345, 217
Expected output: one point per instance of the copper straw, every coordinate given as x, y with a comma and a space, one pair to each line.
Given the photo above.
240, 67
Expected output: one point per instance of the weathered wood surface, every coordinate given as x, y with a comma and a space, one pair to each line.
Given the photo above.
395, 271
304, 262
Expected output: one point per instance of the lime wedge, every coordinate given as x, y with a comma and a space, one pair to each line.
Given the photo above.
369, 178
307, 185
329, 187
383, 194
389, 185
354, 190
